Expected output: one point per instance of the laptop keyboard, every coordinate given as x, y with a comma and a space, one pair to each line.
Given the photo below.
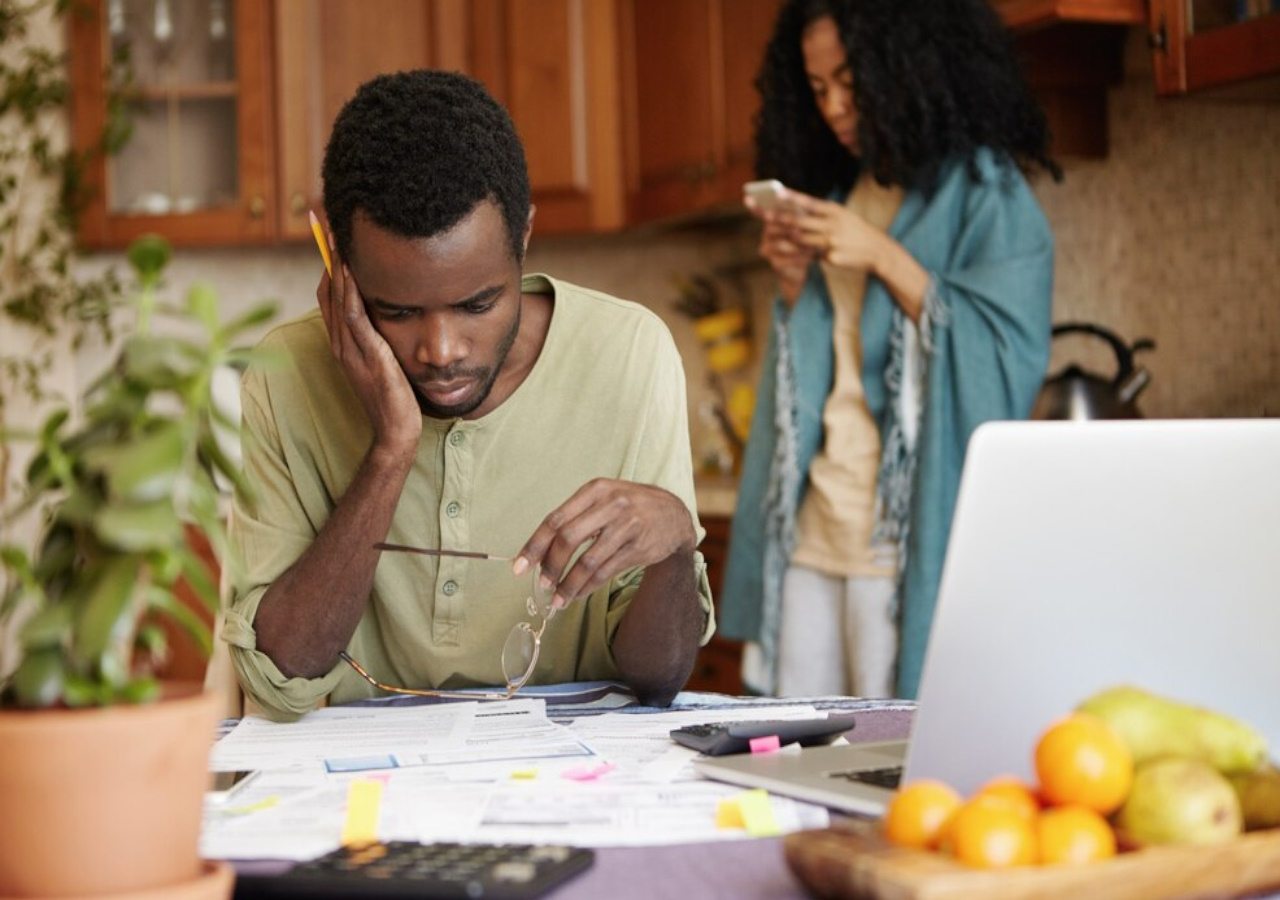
885, 778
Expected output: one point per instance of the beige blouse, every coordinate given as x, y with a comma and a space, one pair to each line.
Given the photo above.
837, 516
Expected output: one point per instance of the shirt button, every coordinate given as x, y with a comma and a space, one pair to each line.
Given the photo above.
455, 438
453, 509
450, 588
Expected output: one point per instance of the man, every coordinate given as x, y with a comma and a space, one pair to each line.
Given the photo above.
439, 399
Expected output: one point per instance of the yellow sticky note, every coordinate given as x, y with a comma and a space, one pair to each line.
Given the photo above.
757, 813
364, 802
264, 803
729, 814
524, 774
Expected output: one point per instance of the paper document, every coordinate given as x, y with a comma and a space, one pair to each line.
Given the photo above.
511, 733
341, 732
595, 815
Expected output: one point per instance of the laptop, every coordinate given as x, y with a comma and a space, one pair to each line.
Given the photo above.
1082, 555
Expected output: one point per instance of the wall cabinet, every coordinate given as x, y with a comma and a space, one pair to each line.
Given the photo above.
322, 52
198, 167
694, 64
1071, 53
630, 110
555, 66
1200, 44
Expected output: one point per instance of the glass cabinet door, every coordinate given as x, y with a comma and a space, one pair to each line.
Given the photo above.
195, 163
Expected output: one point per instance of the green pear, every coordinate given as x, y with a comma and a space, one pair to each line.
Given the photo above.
1179, 801
1259, 794
1155, 726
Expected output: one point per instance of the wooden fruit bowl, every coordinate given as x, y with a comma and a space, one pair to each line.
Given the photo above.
853, 860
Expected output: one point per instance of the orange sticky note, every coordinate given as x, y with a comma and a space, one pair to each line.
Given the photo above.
321, 242
364, 805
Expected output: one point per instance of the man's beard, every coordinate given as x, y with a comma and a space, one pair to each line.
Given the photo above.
486, 376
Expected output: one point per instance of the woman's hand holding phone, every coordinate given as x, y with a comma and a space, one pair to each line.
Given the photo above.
780, 245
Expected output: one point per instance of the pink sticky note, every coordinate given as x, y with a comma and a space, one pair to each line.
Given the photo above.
588, 773
769, 744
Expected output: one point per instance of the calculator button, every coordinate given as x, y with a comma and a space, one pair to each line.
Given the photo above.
549, 854
514, 871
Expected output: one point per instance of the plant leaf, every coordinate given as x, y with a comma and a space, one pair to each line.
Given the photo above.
139, 690
259, 314
39, 678
199, 579
183, 616
202, 303
79, 691
149, 526
146, 468
47, 628
109, 613
159, 363
149, 255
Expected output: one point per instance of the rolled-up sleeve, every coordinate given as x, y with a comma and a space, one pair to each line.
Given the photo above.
268, 532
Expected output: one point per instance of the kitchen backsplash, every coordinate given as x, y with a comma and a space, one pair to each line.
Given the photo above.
1174, 236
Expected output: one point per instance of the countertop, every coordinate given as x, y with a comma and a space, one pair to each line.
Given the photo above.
716, 495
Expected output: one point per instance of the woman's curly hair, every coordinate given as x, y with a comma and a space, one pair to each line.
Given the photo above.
933, 80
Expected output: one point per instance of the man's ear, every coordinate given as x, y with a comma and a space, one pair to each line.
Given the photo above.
528, 230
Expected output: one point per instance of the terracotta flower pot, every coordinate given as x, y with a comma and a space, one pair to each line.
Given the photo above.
105, 801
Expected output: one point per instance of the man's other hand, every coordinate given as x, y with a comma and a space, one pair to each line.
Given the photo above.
628, 525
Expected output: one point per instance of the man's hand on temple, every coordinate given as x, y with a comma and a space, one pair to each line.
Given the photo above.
369, 364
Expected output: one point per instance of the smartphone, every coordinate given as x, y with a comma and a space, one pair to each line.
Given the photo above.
767, 194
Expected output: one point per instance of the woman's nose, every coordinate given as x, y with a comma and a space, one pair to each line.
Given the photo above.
835, 103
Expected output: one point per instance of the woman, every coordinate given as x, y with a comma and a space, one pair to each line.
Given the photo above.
915, 271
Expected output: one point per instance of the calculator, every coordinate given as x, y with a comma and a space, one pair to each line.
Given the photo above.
408, 869
720, 738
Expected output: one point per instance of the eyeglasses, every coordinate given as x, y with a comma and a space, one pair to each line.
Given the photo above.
519, 653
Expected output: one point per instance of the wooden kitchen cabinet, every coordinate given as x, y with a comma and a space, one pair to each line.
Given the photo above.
719, 664
693, 72
555, 65
630, 110
1072, 53
1200, 44
323, 51
198, 165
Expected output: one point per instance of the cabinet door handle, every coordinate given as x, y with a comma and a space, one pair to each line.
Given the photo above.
257, 206
297, 203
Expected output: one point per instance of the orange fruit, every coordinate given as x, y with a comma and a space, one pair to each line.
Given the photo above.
991, 833
1014, 791
1073, 834
918, 812
1080, 760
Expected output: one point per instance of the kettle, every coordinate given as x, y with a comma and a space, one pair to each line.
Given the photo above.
1074, 393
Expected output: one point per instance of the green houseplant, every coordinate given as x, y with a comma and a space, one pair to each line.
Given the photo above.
118, 489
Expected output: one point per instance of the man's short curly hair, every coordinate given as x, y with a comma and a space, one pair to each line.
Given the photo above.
416, 151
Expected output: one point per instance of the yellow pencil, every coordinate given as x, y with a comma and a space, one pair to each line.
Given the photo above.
321, 242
